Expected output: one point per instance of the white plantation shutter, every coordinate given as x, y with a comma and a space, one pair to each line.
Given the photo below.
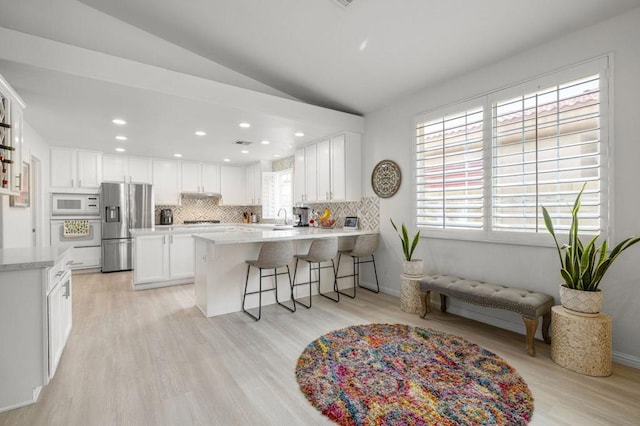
449, 171
485, 171
546, 144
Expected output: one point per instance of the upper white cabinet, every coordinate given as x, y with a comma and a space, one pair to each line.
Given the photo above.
166, 182
119, 168
75, 170
200, 177
329, 170
305, 183
232, 185
253, 184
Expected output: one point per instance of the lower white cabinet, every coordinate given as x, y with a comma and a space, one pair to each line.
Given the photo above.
162, 259
60, 318
35, 321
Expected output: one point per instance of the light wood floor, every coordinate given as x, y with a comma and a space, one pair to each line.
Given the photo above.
151, 358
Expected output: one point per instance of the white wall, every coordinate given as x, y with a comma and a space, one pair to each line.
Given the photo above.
15, 222
389, 134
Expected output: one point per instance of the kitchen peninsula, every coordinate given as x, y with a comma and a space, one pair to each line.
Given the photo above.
220, 268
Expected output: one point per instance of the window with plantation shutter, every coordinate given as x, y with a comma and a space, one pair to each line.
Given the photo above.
546, 145
449, 171
485, 167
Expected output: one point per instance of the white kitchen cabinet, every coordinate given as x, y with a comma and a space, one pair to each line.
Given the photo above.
119, 168
35, 320
150, 258
346, 167
253, 184
181, 256
200, 177
166, 182
60, 318
11, 120
75, 170
232, 185
306, 175
162, 259
336, 172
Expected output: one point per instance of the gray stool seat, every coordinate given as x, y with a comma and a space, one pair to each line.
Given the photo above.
273, 255
365, 247
321, 250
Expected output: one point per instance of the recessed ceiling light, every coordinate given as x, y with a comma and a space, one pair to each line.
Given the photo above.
363, 45
226, 160
200, 133
276, 155
245, 125
119, 121
121, 138
244, 151
120, 149
177, 155
265, 142
299, 134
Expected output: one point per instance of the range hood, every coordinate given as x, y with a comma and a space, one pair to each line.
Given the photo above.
201, 195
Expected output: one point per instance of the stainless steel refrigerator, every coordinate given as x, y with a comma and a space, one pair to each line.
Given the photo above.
125, 206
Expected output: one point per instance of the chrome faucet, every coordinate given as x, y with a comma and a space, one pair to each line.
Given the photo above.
285, 214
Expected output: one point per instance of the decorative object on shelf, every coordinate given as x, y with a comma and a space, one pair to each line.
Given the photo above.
583, 266
410, 266
399, 374
386, 178
23, 199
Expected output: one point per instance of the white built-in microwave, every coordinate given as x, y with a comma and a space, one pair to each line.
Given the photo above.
75, 204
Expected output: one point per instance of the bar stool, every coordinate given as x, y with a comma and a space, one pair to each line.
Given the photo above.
321, 250
273, 255
364, 247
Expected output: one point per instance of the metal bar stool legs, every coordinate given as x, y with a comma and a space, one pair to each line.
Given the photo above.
365, 246
273, 255
321, 250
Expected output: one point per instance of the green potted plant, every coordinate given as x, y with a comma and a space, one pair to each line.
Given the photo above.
583, 267
410, 266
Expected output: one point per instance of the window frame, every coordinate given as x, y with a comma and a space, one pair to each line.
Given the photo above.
603, 66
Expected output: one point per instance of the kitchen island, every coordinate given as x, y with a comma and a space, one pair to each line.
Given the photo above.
220, 268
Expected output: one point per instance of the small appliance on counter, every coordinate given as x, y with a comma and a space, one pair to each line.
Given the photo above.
166, 217
301, 216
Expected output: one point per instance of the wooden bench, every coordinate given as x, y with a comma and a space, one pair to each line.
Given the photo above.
531, 305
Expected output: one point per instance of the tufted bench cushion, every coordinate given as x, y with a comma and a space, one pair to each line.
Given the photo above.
531, 305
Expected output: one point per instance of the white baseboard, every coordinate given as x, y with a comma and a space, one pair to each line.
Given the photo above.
626, 359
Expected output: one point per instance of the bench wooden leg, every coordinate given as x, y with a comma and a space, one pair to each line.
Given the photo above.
546, 322
531, 326
425, 299
443, 303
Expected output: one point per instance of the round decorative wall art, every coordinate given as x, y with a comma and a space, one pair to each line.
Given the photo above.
386, 178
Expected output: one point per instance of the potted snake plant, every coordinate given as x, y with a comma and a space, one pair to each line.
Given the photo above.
410, 266
582, 267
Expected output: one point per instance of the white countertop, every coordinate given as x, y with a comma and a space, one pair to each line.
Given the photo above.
12, 259
260, 235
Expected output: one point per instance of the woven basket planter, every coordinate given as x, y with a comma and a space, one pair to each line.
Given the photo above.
583, 302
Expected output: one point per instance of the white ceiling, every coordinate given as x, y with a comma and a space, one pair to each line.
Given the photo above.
213, 63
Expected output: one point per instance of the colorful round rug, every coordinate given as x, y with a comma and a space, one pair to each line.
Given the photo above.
393, 374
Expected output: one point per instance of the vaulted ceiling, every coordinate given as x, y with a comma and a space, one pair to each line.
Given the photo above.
355, 59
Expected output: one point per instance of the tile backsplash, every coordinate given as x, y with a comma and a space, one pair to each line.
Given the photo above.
367, 210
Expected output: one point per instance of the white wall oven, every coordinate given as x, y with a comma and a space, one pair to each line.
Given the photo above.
76, 224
